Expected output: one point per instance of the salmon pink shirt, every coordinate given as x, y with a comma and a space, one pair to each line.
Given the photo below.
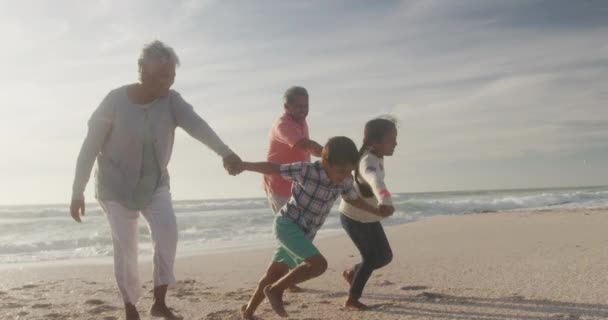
284, 135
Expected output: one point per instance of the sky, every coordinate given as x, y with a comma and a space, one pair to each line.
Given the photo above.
488, 94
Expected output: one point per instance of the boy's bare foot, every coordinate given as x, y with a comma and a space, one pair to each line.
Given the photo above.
131, 312
295, 288
244, 314
276, 300
161, 310
348, 275
355, 304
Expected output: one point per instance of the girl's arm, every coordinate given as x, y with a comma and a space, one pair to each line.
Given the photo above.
262, 167
373, 174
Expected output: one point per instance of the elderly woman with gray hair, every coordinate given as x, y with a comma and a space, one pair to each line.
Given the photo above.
131, 135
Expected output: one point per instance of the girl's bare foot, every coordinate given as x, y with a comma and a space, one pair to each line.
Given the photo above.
348, 275
276, 301
355, 304
245, 315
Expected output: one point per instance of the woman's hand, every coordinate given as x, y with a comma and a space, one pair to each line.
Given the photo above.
77, 209
233, 164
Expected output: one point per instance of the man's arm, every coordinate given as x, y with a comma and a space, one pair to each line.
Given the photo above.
309, 146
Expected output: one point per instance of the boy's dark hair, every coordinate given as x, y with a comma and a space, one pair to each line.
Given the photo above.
293, 92
340, 151
375, 130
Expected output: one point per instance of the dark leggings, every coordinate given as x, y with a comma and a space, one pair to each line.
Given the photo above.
375, 250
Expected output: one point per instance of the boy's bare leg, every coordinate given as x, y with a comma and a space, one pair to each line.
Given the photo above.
310, 268
275, 271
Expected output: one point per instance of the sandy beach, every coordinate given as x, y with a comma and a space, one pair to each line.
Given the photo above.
548, 264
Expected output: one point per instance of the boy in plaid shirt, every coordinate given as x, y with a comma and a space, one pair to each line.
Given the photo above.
315, 188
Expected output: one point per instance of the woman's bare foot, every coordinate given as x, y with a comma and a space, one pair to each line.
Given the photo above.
246, 315
348, 275
276, 300
131, 312
355, 304
161, 310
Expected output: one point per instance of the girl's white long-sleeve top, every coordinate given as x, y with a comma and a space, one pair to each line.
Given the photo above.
371, 172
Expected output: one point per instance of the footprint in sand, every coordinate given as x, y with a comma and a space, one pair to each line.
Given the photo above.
414, 288
565, 317
384, 283
102, 309
240, 294
517, 297
27, 286
223, 315
187, 281
334, 295
183, 293
431, 296
94, 302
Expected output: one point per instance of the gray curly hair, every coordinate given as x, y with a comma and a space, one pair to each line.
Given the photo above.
155, 51
292, 92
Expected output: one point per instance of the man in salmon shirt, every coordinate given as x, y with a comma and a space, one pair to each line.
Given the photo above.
289, 143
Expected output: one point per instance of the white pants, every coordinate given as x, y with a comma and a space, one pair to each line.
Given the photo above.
163, 230
276, 202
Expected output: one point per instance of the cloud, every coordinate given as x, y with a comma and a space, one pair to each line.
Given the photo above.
484, 83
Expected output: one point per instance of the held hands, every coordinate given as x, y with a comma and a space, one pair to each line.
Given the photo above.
233, 164
77, 209
385, 211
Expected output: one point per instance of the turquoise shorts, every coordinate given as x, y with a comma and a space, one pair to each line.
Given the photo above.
294, 247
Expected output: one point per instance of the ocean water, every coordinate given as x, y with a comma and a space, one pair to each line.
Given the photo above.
47, 232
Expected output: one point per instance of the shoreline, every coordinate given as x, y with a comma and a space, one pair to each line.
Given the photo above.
508, 265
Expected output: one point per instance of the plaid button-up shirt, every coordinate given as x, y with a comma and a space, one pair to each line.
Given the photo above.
312, 195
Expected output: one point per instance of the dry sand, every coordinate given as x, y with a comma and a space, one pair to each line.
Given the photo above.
514, 265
